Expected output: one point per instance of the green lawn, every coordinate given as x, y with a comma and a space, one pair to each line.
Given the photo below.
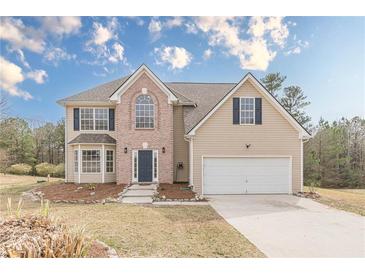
352, 200
142, 231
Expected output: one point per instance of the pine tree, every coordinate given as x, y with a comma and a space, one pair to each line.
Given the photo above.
273, 82
294, 100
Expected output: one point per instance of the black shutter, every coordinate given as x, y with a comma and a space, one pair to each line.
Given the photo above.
236, 111
111, 119
258, 111
76, 119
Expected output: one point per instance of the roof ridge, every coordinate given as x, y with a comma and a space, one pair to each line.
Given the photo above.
183, 82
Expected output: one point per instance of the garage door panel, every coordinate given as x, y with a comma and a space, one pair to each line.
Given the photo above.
246, 175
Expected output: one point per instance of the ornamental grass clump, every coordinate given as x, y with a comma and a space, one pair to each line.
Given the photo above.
39, 236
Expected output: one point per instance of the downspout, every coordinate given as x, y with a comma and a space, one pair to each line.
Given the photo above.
191, 159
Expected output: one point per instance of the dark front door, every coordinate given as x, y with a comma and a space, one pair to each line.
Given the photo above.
145, 166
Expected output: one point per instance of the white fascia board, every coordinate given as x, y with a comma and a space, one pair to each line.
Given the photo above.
142, 69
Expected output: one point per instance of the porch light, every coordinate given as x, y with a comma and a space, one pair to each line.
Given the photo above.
163, 150
125, 150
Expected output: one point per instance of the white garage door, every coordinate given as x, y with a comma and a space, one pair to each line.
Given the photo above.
246, 175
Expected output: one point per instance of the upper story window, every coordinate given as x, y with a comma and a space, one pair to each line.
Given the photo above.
94, 118
145, 112
101, 119
247, 110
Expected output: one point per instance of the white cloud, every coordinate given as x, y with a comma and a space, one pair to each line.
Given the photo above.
155, 28
10, 76
253, 52
207, 54
191, 28
20, 36
275, 26
173, 22
297, 48
22, 59
102, 34
139, 21
105, 45
117, 54
176, 57
61, 25
257, 56
38, 75
55, 55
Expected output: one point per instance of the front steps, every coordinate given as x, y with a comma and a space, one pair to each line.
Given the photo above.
139, 194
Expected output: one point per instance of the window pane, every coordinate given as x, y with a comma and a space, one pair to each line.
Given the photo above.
87, 119
109, 161
144, 112
247, 110
90, 161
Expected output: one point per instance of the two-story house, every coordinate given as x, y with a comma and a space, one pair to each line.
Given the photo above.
222, 138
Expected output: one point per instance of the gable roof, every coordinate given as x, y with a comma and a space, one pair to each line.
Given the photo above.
200, 100
303, 133
204, 95
131, 79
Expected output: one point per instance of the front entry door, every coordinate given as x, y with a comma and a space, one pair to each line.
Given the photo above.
145, 166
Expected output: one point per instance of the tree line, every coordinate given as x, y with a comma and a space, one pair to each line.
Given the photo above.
335, 155
22, 142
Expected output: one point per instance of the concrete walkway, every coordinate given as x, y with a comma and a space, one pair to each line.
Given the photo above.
289, 226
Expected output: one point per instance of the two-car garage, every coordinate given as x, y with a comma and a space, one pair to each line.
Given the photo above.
246, 175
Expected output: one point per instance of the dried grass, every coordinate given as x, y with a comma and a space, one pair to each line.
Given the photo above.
40, 237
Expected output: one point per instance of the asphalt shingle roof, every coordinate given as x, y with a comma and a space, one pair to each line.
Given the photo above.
198, 98
204, 95
92, 138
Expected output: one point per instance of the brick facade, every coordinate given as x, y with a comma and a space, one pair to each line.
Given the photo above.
129, 137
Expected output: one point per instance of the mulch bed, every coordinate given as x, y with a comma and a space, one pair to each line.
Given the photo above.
176, 191
76, 192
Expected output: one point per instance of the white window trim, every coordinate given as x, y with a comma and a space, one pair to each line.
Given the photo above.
134, 172
135, 115
154, 154
74, 162
81, 162
106, 153
254, 111
93, 108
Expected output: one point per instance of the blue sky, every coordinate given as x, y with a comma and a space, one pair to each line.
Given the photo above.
44, 59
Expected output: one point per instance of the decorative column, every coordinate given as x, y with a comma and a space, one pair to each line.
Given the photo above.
79, 162
103, 164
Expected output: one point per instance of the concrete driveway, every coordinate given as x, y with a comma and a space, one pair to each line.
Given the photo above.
289, 226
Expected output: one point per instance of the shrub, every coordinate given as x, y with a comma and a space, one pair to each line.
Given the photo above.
20, 169
40, 237
44, 169
59, 171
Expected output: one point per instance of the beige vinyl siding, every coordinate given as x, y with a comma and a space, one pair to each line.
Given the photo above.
70, 135
275, 137
181, 147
